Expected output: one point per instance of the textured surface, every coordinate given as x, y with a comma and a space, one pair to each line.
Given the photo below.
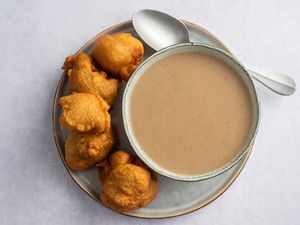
36, 37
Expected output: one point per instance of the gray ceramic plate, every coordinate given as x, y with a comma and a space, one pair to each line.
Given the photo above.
174, 197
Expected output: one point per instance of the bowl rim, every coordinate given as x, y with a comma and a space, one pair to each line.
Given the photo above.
141, 153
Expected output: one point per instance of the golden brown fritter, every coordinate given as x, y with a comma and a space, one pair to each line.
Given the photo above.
125, 185
84, 150
84, 77
118, 54
84, 112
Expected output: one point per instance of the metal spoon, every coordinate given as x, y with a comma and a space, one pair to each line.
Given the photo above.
160, 30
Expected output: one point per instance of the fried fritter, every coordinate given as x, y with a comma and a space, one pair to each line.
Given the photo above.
118, 54
84, 112
84, 150
84, 77
126, 185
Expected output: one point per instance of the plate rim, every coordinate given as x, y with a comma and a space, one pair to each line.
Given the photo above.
54, 108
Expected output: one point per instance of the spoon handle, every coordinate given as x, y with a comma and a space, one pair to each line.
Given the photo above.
279, 83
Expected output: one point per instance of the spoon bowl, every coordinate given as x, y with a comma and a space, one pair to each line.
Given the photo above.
157, 29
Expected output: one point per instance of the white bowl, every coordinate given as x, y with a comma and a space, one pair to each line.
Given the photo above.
188, 47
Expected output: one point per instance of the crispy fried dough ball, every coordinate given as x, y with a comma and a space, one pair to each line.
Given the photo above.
126, 185
84, 150
118, 54
84, 77
84, 112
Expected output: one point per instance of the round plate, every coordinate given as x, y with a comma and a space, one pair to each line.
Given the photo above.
174, 197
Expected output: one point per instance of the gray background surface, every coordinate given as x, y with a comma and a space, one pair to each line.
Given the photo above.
35, 38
